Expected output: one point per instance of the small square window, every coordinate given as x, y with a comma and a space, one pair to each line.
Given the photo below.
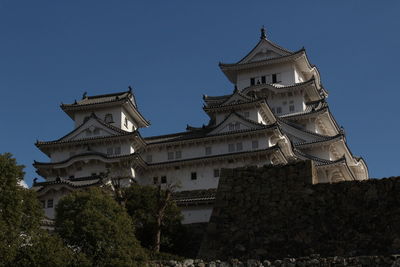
163, 179
108, 118
254, 144
290, 94
50, 203
149, 158
216, 172
278, 110
170, 155
155, 180
291, 108
109, 150
262, 79
231, 147
239, 146
208, 150
117, 150
246, 114
178, 154
193, 176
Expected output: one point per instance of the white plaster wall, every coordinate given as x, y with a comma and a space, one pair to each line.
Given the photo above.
286, 72
284, 101
196, 214
182, 177
56, 196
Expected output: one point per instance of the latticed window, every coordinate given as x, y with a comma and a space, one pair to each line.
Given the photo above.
50, 203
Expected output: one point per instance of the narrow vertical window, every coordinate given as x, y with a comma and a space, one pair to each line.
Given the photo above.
50, 203
263, 79
274, 79
254, 144
291, 108
239, 146
216, 173
155, 180
117, 150
170, 155
278, 110
237, 126
178, 154
252, 81
231, 147
193, 176
163, 179
208, 150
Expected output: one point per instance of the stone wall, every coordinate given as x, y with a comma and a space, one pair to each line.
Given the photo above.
277, 212
312, 261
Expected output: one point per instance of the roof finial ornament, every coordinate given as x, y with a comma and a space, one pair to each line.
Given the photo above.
263, 33
130, 89
84, 95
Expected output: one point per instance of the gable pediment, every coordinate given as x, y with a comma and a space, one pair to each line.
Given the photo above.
236, 98
232, 123
89, 129
262, 51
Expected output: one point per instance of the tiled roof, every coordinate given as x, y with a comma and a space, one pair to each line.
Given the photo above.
89, 153
203, 132
99, 99
291, 56
75, 183
195, 197
269, 149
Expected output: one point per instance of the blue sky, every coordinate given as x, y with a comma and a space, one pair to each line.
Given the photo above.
53, 51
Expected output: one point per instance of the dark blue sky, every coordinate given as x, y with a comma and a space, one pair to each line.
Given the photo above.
53, 51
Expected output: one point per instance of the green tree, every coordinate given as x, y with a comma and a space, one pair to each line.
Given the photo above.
22, 242
156, 216
92, 222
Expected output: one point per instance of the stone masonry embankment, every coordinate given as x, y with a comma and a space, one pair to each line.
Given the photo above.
277, 212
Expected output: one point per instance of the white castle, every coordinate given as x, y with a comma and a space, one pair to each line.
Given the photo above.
277, 114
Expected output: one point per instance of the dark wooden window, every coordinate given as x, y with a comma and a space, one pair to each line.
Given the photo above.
155, 180
216, 172
262, 79
50, 203
274, 80
193, 175
252, 81
163, 179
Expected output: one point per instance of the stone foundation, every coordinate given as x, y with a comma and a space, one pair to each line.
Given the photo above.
277, 212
